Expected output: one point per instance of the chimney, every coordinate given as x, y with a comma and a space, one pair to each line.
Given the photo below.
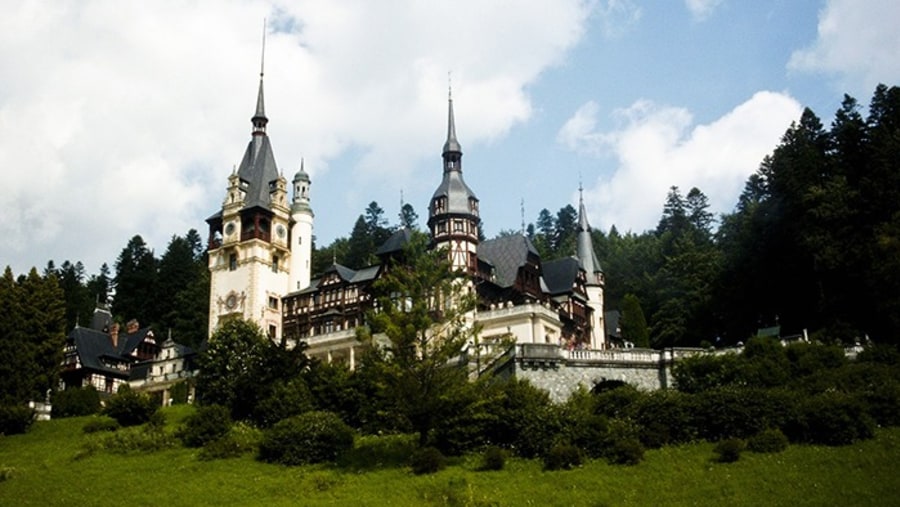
114, 334
132, 326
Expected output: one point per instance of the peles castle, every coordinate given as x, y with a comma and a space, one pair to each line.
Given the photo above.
260, 256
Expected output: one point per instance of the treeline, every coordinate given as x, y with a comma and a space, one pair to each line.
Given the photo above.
813, 243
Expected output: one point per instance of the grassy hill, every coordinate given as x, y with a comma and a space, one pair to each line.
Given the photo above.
48, 466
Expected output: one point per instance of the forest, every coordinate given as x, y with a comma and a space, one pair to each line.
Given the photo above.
812, 244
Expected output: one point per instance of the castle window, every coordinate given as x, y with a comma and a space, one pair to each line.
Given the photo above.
232, 262
274, 263
273, 303
457, 226
272, 330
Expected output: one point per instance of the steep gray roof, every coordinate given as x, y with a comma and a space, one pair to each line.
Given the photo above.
452, 185
586, 254
258, 169
396, 242
560, 275
506, 254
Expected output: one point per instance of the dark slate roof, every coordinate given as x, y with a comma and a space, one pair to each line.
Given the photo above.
452, 186
396, 242
258, 171
586, 254
451, 145
457, 193
91, 345
366, 274
506, 254
560, 275
343, 272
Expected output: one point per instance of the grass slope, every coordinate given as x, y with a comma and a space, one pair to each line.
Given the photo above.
41, 469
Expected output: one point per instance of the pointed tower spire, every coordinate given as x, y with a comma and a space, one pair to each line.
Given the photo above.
259, 119
452, 145
586, 254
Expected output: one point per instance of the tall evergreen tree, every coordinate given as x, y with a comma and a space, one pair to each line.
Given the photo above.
135, 282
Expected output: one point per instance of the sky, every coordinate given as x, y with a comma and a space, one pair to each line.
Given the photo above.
125, 118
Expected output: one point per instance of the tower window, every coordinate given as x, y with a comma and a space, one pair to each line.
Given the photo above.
273, 302
232, 262
274, 263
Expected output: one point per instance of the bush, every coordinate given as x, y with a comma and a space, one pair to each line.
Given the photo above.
137, 440
427, 460
525, 420
831, 419
313, 437
75, 402
98, 424
207, 424
729, 450
665, 417
494, 458
286, 400
768, 441
222, 448
130, 408
625, 451
740, 412
15, 419
562, 457
582, 426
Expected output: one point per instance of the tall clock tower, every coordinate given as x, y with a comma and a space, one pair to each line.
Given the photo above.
249, 239
453, 211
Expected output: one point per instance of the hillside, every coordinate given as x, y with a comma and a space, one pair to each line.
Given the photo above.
48, 467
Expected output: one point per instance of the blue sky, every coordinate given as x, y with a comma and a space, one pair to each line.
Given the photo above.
126, 118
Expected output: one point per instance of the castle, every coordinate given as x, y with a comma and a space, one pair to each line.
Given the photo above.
260, 263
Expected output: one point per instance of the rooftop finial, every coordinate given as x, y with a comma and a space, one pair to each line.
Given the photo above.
262, 59
259, 119
452, 145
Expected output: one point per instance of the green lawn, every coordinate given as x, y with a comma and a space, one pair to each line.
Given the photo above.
41, 468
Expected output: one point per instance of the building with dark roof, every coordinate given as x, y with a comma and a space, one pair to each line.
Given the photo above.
557, 302
105, 357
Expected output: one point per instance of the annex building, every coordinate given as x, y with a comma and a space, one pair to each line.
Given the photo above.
260, 262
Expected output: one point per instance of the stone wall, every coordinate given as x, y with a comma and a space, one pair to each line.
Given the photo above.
560, 372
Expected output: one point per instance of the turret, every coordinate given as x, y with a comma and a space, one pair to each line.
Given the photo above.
453, 211
301, 232
595, 282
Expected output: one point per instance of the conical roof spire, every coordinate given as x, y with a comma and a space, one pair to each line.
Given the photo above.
259, 119
586, 254
452, 145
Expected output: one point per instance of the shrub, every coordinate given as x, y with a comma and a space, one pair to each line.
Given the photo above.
525, 420
130, 408
617, 403
207, 424
771, 440
15, 419
729, 450
286, 400
740, 412
136, 440
427, 460
312, 437
562, 457
665, 417
222, 448
625, 451
180, 392
98, 424
831, 418
75, 402
494, 458
582, 426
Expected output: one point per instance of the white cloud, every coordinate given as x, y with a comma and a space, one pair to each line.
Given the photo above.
658, 147
125, 118
617, 17
702, 9
858, 42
